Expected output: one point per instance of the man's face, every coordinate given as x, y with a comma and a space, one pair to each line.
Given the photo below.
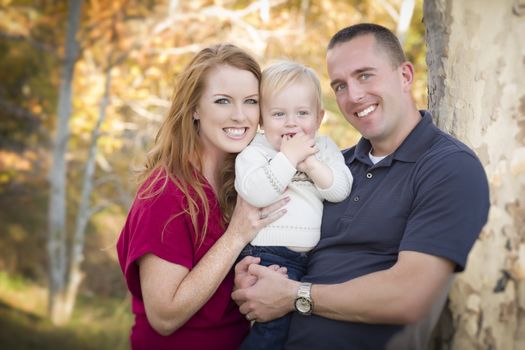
372, 94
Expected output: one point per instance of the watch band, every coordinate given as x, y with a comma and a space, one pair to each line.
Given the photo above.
303, 302
305, 290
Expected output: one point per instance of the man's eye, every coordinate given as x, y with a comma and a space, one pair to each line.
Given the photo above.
252, 101
222, 101
365, 76
339, 87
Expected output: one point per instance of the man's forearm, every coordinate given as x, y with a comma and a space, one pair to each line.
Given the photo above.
400, 295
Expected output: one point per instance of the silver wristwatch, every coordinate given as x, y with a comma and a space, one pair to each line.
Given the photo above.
303, 301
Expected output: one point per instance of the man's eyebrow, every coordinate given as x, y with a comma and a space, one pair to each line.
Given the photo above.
362, 70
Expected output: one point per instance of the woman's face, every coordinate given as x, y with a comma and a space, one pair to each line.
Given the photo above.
228, 110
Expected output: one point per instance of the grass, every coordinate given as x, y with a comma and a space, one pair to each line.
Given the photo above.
97, 323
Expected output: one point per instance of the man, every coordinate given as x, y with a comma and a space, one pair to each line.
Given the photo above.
387, 253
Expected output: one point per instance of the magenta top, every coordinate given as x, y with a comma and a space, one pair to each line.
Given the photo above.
152, 227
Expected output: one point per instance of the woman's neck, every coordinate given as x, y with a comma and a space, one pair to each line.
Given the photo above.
211, 165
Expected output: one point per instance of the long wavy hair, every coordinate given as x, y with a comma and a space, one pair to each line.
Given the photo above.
177, 154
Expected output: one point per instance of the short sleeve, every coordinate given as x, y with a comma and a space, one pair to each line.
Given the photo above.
155, 225
450, 208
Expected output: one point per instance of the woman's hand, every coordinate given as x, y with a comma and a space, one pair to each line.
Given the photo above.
243, 278
247, 220
270, 297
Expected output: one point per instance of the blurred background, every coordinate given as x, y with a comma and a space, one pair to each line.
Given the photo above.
82, 94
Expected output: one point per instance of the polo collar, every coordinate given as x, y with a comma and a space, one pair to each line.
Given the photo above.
414, 145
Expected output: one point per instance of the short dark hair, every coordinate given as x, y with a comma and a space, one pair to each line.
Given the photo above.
384, 37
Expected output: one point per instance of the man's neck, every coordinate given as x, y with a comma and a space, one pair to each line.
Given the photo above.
388, 146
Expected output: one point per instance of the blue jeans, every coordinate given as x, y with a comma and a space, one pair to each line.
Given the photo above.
272, 335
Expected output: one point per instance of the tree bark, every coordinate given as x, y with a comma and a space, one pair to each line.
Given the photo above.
57, 231
476, 55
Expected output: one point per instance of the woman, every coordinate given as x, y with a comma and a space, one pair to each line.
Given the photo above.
174, 250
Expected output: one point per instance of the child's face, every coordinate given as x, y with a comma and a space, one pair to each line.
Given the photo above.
293, 109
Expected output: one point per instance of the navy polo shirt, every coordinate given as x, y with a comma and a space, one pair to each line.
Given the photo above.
431, 196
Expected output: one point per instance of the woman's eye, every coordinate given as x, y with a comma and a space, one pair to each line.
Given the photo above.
252, 101
222, 101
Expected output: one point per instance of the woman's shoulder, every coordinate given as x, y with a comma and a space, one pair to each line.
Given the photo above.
158, 185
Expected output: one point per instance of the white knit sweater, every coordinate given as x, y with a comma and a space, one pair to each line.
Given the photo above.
263, 175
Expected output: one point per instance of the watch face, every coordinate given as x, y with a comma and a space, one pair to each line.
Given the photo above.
303, 305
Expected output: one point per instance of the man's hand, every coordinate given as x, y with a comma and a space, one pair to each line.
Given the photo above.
271, 297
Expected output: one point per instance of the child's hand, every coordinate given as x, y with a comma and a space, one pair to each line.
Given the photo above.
307, 165
298, 147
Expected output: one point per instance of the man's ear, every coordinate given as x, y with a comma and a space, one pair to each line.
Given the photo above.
407, 74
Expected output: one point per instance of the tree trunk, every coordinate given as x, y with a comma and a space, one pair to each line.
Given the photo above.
57, 176
476, 55
85, 211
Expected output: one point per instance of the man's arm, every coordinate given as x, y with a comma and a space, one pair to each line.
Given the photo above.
399, 295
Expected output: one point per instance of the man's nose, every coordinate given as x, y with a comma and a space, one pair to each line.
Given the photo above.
355, 93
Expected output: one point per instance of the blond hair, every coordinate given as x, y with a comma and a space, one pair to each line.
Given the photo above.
177, 154
281, 74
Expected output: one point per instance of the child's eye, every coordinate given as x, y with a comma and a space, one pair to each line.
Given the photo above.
252, 101
222, 101
278, 115
303, 114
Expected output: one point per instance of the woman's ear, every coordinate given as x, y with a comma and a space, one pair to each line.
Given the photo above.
196, 115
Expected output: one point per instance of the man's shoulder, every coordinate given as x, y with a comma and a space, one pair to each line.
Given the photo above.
449, 158
445, 145
349, 152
